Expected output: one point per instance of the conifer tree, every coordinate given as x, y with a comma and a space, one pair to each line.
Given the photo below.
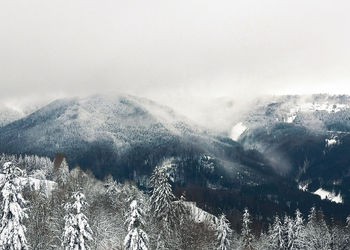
298, 242
288, 231
324, 236
61, 174
77, 230
162, 197
275, 236
247, 237
12, 231
311, 227
347, 230
223, 233
136, 239
317, 233
163, 209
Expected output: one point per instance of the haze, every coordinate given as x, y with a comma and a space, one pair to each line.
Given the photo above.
173, 50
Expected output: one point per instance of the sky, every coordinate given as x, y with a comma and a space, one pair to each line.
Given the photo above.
173, 50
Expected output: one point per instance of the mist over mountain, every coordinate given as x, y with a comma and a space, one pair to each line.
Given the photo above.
8, 115
272, 148
174, 125
305, 138
114, 126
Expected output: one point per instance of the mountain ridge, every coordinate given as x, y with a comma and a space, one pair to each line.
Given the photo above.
128, 136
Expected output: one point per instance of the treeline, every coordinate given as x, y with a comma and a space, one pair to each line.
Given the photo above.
81, 212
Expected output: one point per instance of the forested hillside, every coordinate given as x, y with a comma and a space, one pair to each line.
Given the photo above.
70, 209
127, 136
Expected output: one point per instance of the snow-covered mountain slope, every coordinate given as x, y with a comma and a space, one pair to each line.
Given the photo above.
10, 112
45, 186
199, 215
8, 115
127, 137
305, 138
317, 112
121, 121
116, 135
324, 194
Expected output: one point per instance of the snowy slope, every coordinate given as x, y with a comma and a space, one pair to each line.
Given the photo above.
10, 112
305, 138
199, 215
8, 115
127, 137
120, 120
33, 184
105, 131
122, 134
237, 131
324, 194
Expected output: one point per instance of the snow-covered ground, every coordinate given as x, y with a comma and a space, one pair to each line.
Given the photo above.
326, 195
334, 140
326, 106
312, 107
303, 187
200, 215
291, 118
237, 130
34, 184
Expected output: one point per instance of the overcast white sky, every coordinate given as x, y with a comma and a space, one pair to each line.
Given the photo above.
183, 47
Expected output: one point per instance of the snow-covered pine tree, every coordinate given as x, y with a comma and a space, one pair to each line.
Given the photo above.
162, 197
324, 235
77, 230
299, 232
262, 242
288, 231
136, 239
183, 214
275, 234
162, 208
247, 237
223, 233
12, 231
317, 233
61, 172
339, 236
347, 231
311, 228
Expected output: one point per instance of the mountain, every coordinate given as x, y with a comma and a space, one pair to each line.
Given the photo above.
127, 136
305, 138
8, 115
102, 131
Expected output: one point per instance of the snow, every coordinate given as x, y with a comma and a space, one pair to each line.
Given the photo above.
136, 237
12, 231
326, 195
33, 183
200, 215
334, 140
76, 230
237, 131
291, 115
121, 120
303, 187
326, 106
291, 118
223, 233
312, 107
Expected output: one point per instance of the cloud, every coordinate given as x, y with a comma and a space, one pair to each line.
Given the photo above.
182, 48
